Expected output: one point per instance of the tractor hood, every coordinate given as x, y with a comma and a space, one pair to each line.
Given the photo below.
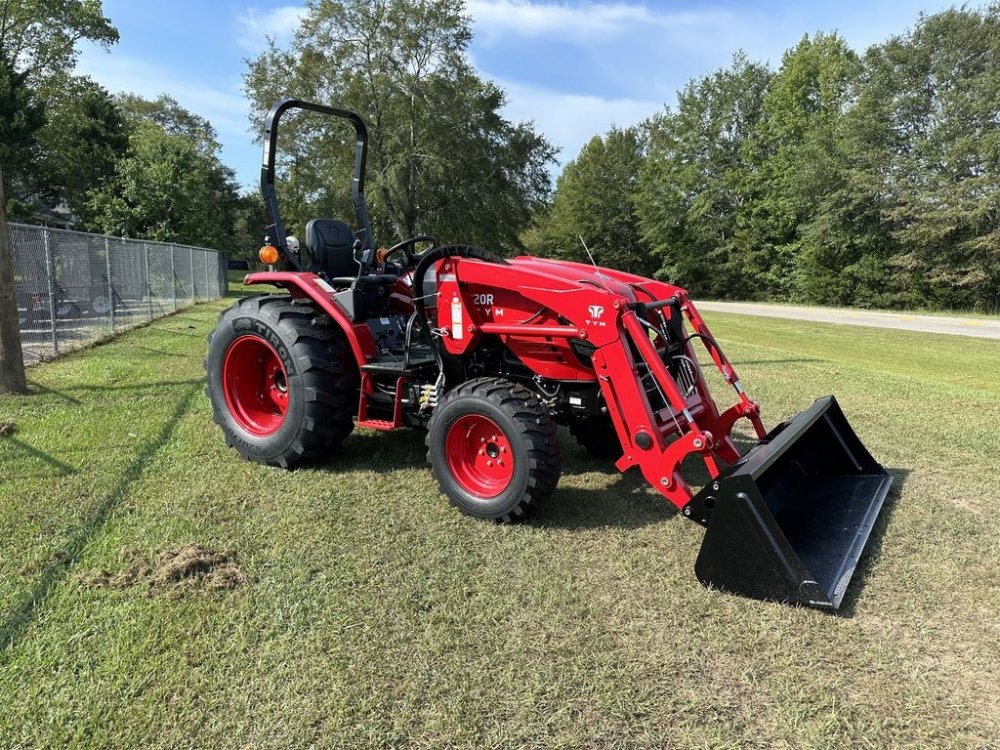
617, 282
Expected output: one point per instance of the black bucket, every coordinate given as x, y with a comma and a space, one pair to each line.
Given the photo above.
789, 520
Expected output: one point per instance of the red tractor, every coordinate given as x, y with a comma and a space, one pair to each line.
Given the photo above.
489, 354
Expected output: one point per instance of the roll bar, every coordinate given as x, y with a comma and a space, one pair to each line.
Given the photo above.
276, 227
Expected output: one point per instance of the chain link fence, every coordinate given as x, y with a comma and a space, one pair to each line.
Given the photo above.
73, 288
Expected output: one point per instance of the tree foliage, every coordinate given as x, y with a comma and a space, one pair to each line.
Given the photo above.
595, 200
22, 115
442, 160
692, 188
171, 185
83, 139
869, 180
40, 36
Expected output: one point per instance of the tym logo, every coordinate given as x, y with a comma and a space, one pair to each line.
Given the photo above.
596, 312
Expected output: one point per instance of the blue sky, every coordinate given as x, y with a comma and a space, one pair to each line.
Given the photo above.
574, 68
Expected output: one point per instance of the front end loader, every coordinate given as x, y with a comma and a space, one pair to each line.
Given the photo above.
489, 354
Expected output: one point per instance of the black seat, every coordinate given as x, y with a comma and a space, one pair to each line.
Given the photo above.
331, 247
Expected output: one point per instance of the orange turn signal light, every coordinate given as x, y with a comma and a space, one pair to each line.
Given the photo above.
381, 254
269, 255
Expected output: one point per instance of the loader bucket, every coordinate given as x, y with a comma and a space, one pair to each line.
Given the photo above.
789, 521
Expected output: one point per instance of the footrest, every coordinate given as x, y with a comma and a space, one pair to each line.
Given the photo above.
377, 424
396, 368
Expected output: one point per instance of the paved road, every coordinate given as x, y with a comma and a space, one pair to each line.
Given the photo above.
980, 327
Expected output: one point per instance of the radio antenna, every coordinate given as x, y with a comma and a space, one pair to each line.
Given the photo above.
594, 264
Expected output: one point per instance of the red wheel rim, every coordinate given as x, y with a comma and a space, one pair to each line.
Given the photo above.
255, 384
479, 456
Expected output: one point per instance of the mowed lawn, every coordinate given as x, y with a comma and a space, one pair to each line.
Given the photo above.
366, 612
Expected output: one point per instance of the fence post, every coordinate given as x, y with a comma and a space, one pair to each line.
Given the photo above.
50, 276
173, 279
149, 287
191, 257
208, 279
111, 286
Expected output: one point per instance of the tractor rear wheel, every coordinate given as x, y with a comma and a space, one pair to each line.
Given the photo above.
492, 447
282, 382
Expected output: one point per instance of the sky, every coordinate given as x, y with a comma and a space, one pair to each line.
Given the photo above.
573, 68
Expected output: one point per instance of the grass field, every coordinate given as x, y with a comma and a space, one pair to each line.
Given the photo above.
360, 610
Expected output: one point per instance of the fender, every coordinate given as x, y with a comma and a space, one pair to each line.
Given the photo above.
306, 284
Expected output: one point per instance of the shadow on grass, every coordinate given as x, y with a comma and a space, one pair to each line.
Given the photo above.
873, 549
131, 386
177, 333
162, 353
39, 389
628, 503
379, 451
60, 469
20, 616
783, 361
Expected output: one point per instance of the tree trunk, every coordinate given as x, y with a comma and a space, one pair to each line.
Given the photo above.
11, 362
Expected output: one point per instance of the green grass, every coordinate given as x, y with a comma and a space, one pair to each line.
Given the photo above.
374, 615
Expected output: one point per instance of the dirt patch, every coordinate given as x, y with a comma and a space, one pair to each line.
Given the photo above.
190, 566
7, 429
199, 564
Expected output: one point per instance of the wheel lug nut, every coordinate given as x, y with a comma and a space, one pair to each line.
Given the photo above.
482, 452
489, 463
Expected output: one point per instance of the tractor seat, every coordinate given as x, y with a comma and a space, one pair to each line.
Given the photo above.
331, 249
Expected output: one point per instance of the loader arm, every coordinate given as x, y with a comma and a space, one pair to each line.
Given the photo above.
607, 317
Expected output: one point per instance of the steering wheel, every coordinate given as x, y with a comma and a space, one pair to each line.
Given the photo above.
411, 257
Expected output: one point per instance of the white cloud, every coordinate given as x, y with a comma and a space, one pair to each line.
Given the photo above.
499, 19
225, 108
570, 120
278, 24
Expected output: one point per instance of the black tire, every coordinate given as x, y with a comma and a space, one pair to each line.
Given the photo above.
597, 435
319, 373
67, 310
526, 428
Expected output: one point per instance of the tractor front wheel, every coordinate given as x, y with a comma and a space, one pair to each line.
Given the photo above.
282, 382
492, 447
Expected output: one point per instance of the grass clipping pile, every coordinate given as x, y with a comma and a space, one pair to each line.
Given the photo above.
191, 566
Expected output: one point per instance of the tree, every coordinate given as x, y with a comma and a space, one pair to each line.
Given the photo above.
21, 117
595, 199
174, 119
12, 378
165, 189
249, 225
442, 160
171, 186
693, 188
791, 249
40, 36
936, 92
83, 139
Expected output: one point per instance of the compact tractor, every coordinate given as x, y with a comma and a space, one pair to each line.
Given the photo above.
488, 354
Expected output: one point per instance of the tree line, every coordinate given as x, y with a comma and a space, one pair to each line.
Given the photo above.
835, 178
868, 180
